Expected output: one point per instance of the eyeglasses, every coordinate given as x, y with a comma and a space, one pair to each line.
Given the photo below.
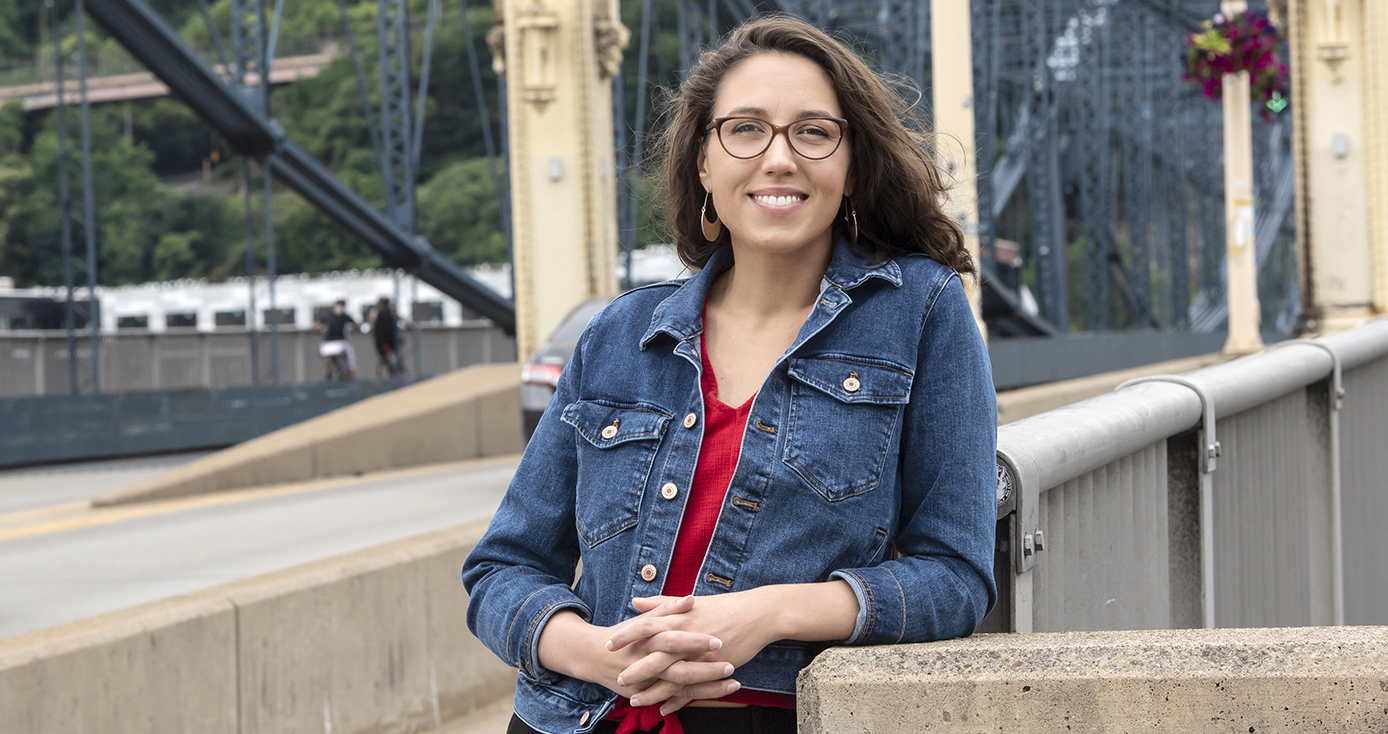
814, 138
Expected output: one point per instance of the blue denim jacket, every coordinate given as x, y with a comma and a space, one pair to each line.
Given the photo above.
876, 430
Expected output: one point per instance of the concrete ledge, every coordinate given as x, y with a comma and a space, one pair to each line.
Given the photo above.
467, 414
1014, 405
1307, 679
372, 641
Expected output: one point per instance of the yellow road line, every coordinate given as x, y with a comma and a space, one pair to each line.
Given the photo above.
75, 515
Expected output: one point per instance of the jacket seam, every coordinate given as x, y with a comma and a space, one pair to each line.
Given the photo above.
901, 635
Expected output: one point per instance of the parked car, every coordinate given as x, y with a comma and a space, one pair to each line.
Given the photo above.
540, 374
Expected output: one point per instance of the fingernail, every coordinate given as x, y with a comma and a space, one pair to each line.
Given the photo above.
733, 686
621, 682
727, 670
609, 646
715, 643
634, 702
664, 711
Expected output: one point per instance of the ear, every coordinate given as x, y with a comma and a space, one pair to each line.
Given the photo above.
703, 169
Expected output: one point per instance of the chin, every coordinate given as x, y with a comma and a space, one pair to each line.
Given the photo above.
780, 242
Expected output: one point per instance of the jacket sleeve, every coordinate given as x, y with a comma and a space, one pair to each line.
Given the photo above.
942, 585
519, 573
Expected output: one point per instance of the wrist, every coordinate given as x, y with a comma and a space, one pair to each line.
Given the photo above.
565, 644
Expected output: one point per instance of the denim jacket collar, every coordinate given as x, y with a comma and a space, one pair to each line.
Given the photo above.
681, 315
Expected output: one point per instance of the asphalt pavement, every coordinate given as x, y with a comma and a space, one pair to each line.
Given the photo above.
61, 560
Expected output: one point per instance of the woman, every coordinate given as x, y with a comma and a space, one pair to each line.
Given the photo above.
736, 457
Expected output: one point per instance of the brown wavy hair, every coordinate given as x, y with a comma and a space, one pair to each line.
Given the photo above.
897, 186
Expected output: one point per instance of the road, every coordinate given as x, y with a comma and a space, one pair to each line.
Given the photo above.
61, 560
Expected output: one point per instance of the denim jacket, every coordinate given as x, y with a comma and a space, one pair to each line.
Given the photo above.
872, 438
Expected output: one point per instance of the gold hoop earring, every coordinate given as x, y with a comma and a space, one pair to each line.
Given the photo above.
850, 221
713, 229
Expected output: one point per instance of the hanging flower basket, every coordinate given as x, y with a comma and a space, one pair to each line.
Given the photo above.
1229, 44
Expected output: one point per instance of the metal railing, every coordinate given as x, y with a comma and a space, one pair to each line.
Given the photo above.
1248, 494
35, 362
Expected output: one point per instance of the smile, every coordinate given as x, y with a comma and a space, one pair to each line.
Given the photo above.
780, 202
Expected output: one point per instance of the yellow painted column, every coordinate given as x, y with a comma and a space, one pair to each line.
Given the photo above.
1241, 287
1375, 46
1341, 118
953, 108
559, 59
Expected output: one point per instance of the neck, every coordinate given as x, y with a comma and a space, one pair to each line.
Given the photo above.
763, 286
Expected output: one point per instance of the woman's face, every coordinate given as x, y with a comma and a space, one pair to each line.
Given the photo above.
778, 202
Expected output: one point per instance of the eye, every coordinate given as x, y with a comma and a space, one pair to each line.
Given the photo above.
813, 130
747, 127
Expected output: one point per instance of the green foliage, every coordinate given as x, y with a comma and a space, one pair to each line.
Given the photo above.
457, 213
152, 231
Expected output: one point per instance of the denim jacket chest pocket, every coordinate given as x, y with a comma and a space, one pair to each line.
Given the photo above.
844, 411
617, 443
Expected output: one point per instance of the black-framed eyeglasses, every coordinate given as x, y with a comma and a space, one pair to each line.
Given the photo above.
814, 138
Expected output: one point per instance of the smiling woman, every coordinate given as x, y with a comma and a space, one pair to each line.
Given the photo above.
791, 449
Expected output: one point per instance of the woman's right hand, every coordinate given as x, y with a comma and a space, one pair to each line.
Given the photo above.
570, 646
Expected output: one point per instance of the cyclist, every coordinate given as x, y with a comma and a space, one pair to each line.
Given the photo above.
334, 328
387, 337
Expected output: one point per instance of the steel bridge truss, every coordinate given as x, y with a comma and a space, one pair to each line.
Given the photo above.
1093, 155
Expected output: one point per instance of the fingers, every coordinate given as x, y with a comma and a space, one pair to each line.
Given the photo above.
665, 690
668, 667
654, 621
645, 604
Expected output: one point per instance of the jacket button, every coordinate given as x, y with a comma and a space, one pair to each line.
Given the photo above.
690, 420
669, 490
582, 720
852, 384
648, 572
609, 432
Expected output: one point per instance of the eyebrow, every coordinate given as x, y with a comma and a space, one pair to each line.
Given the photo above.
760, 112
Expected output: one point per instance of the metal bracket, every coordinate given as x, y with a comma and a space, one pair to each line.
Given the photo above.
1337, 569
1207, 415
1211, 450
1336, 382
1025, 479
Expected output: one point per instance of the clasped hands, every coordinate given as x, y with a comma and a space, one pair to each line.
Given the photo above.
679, 649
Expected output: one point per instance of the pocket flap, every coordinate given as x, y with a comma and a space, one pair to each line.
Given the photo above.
632, 422
852, 379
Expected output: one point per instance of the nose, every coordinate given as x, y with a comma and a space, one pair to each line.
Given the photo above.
779, 158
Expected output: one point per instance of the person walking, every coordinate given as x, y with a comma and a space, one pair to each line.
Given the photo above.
386, 335
794, 448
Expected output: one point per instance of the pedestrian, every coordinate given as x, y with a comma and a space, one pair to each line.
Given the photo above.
335, 345
794, 448
387, 339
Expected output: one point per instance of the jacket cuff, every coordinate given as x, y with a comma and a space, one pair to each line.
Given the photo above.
881, 605
529, 622
860, 624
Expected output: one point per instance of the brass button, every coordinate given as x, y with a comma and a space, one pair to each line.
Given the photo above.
690, 420
609, 432
669, 490
582, 720
851, 384
648, 572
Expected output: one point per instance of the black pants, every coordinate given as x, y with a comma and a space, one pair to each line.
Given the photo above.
702, 720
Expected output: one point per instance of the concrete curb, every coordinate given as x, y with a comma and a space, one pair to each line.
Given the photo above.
1303, 679
371, 641
467, 414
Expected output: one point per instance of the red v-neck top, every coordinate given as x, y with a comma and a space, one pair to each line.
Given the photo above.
713, 473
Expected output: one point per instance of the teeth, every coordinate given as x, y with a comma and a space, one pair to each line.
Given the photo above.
779, 200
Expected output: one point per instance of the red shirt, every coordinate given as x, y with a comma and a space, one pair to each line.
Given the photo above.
718, 454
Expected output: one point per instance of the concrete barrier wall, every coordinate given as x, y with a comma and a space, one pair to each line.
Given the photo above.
369, 642
468, 414
1306, 679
